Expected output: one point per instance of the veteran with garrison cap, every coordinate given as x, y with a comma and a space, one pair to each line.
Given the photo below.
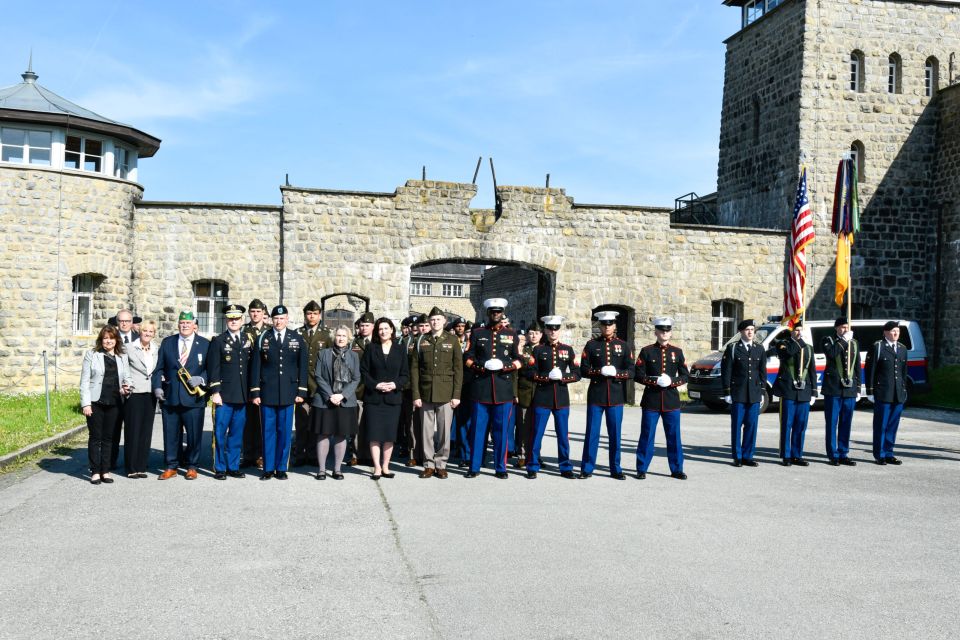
661, 369
796, 386
607, 361
743, 372
228, 365
317, 338
436, 375
841, 389
278, 381
492, 355
552, 366
886, 375
253, 430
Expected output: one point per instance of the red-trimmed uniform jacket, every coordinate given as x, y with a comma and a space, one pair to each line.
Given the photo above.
599, 352
653, 361
552, 393
492, 387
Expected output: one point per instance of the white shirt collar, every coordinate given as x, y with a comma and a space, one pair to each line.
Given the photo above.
746, 343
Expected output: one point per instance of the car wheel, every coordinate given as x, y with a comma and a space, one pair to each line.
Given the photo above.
764, 401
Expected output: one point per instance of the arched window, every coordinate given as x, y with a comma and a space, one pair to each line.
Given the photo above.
855, 82
894, 66
857, 152
931, 77
209, 302
84, 287
726, 315
756, 119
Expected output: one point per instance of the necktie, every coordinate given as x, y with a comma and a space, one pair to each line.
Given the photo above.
183, 353
126, 339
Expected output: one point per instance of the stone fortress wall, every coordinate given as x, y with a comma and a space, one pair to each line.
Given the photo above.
947, 195
806, 108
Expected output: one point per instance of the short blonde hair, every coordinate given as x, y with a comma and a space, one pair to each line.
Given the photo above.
344, 327
148, 324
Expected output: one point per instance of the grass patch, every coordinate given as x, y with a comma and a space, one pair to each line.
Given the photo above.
23, 419
946, 389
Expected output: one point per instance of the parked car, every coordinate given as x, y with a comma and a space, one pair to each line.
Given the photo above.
705, 383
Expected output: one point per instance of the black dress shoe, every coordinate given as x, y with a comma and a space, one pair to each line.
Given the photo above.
321, 476
501, 475
463, 464
110, 480
281, 475
641, 475
266, 475
566, 474
583, 475
889, 460
471, 474
219, 475
95, 481
847, 462
750, 463
833, 462
336, 476
786, 462
882, 462
679, 475
236, 474
737, 462
532, 475
800, 462
618, 476
375, 476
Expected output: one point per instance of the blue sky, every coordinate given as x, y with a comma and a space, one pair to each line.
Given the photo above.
619, 101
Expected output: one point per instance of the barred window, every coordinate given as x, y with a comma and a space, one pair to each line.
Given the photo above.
209, 303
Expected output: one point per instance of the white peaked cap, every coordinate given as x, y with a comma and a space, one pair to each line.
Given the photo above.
552, 320
497, 303
606, 315
663, 321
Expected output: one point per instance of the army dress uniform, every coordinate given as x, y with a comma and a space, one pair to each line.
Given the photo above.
357, 445
278, 376
796, 386
436, 376
608, 363
525, 389
492, 355
886, 375
743, 371
464, 415
228, 365
840, 388
661, 369
551, 367
253, 430
305, 442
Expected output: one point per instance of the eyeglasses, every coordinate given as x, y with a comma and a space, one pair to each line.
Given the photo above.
124, 321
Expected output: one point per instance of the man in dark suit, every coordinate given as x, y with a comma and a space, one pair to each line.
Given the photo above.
278, 381
796, 386
841, 388
124, 321
228, 364
743, 371
178, 383
253, 430
886, 375
317, 338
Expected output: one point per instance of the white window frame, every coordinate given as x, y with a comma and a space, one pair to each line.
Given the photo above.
727, 306
449, 290
931, 78
893, 74
121, 169
211, 321
83, 155
83, 288
421, 288
26, 147
856, 69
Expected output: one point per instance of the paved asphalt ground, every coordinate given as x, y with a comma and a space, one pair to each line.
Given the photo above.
770, 552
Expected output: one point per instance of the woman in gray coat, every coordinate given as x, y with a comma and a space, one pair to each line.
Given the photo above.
335, 417
104, 382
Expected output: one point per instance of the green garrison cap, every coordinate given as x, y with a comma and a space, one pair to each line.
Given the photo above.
186, 315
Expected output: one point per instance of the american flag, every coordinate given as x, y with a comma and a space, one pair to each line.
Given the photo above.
801, 234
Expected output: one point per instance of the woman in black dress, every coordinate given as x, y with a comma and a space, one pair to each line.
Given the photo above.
385, 370
335, 403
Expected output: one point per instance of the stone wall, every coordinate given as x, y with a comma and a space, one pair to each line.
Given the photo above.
85, 220
947, 195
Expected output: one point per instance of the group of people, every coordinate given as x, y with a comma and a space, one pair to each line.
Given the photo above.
438, 384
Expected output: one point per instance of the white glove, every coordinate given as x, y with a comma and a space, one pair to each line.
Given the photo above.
870, 398
555, 374
663, 380
608, 370
848, 336
812, 400
728, 399
493, 365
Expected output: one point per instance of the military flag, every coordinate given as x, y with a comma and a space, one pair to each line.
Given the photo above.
801, 234
845, 224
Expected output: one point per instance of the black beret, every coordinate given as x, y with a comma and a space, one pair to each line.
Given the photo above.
890, 325
279, 310
839, 321
745, 323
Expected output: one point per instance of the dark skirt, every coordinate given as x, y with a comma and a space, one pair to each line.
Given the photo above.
335, 421
380, 422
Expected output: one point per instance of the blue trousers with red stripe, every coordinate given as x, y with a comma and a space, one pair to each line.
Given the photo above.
496, 418
671, 430
560, 418
591, 440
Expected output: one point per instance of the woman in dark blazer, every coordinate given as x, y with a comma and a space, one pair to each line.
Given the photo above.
385, 370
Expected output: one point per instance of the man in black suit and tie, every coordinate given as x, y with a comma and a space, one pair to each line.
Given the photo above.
743, 372
229, 369
886, 376
178, 384
124, 321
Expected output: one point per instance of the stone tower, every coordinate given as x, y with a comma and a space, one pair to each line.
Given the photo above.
811, 80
